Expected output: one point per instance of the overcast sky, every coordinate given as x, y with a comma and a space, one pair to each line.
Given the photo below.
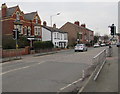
96, 15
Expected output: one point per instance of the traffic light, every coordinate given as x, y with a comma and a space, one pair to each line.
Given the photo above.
113, 29
14, 34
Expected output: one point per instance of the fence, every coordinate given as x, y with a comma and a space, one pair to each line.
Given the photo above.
96, 66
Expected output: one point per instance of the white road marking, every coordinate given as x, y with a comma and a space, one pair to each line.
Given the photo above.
70, 84
20, 68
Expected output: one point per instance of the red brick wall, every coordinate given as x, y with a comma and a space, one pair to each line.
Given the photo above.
14, 52
7, 26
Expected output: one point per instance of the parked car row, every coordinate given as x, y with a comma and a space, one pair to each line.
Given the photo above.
101, 45
83, 47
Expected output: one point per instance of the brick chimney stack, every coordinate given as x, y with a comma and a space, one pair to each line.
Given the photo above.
44, 23
83, 25
54, 25
4, 10
77, 23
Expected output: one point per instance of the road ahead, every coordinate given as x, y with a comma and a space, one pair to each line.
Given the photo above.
47, 73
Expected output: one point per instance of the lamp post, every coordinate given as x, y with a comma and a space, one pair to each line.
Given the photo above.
52, 16
51, 23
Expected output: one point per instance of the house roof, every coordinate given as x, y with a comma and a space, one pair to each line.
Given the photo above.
11, 10
76, 26
30, 16
53, 29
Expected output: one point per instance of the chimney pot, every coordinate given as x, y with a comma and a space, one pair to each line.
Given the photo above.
83, 25
44, 23
77, 23
4, 9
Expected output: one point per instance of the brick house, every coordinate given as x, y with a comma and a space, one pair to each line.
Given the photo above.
78, 33
27, 24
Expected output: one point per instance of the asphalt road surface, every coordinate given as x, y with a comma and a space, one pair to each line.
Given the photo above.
47, 73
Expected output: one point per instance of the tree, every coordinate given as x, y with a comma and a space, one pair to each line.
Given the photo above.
106, 38
96, 39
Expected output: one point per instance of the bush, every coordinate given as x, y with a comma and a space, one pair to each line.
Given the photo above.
43, 45
9, 43
23, 42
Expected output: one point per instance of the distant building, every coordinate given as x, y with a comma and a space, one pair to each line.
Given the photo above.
58, 38
78, 33
28, 24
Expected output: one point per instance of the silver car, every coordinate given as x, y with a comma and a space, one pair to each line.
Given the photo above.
80, 47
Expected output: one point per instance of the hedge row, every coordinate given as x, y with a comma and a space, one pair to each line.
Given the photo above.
9, 43
43, 45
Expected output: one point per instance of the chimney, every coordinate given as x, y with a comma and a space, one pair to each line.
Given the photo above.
77, 23
4, 9
83, 25
54, 25
44, 23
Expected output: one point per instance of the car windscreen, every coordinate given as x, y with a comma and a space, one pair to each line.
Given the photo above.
79, 45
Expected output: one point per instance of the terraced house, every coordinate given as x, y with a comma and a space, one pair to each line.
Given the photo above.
27, 24
78, 33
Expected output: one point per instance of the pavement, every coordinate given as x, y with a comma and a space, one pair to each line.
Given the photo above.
29, 55
108, 78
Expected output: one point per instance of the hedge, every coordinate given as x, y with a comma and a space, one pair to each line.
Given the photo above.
43, 44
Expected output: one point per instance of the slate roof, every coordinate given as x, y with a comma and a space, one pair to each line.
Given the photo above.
11, 10
29, 16
76, 26
53, 29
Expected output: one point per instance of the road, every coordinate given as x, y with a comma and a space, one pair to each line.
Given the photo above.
47, 73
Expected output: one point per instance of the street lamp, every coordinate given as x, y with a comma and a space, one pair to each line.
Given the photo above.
52, 16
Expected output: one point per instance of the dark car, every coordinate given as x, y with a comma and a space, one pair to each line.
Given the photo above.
118, 44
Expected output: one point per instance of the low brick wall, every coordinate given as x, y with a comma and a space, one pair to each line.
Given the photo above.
15, 52
23, 51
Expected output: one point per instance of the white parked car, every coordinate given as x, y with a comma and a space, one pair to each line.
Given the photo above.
80, 47
118, 44
103, 44
96, 45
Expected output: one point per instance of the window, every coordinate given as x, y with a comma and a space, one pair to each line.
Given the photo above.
54, 35
36, 19
29, 31
15, 27
37, 30
17, 15
65, 36
61, 36
25, 30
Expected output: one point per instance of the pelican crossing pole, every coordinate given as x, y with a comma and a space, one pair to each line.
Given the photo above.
15, 36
